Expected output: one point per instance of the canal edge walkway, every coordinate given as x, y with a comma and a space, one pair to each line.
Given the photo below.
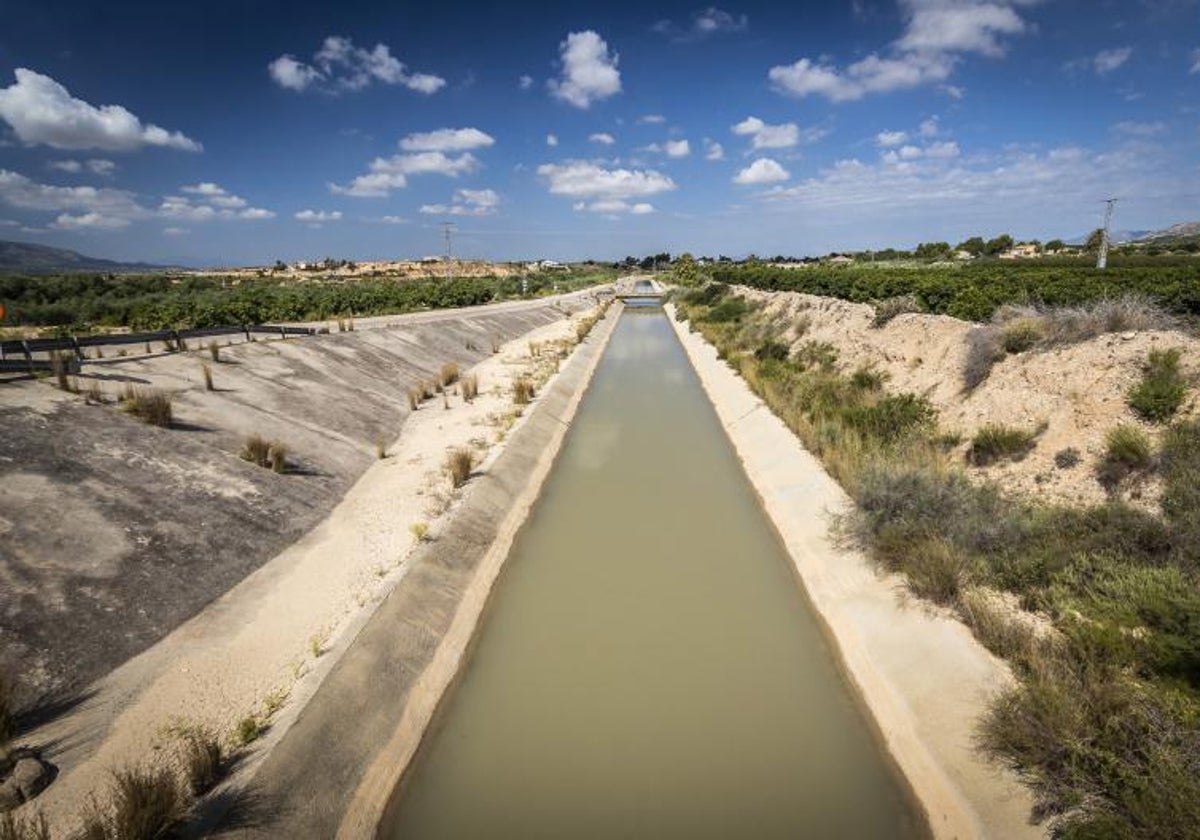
923, 678
335, 771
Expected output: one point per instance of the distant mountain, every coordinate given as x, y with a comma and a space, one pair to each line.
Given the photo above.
29, 258
1183, 230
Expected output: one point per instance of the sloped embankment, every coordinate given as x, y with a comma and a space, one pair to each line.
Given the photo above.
115, 532
1070, 395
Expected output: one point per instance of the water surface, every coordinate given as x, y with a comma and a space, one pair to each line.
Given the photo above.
649, 667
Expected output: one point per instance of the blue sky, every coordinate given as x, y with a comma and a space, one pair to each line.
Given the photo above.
242, 132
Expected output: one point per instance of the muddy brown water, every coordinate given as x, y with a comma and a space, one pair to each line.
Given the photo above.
649, 666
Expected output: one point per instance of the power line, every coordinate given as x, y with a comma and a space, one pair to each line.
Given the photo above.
448, 235
1102, 257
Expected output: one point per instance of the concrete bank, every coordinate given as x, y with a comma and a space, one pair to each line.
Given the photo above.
922, 676
334, 771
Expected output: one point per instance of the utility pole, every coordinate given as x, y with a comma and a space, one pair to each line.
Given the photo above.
448, 234
1102, 257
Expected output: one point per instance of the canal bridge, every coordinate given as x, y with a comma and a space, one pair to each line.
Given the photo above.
639, 290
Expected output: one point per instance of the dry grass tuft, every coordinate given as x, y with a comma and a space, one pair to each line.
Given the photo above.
470, 387
153, 406
203, 759
448, 374
206, 372
214, 351
458, 465
523, 392
419, 530
143, 804
24, 827
414, 398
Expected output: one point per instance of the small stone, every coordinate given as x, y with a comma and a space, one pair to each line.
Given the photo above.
1128, 336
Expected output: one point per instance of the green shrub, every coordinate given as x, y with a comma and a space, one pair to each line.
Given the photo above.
868, 378
728, 310
994, 442
1067, 458
1127, 450
818, 354
774, 350
892, 418
1162, 389
1021, 334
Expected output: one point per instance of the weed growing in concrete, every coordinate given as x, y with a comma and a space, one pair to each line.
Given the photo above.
203, 759
249, 730
522, 391
256, 449
995, 442
1162, 389
206, 372
458, 465
316, 646
495, 344
414, 398
214, 351
470, 387
380, 448
448, 375
445, 400
419, 530
152, 406
278, 456
94, 394
143, 803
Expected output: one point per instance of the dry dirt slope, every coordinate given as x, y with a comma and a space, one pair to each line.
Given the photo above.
1078, 391
115, 532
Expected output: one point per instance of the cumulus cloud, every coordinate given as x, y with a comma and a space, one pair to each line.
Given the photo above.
603, 138
466, 203
603, 190
936, 34
762, 171
764, 136
704, 23
17, 190
713, 150
42, 112
677, 148
1107, 61
652, 119
340, 66
589, 70
318, 217
525, 82
205, 201
447, 140
887, 139
174, 231
89, 221
1195, 61
929, 127
391, 173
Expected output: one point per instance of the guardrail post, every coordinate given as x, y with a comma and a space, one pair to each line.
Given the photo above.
78, 349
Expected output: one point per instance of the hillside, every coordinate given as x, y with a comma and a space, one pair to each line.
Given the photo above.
29, 258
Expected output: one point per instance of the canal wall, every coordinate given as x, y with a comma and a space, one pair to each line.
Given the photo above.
919, 672
337, 767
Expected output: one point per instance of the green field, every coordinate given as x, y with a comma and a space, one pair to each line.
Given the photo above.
82, 302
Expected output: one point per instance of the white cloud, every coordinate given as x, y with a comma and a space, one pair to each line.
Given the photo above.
340, 66
1107, 61
1140, 129
713, 150
447, 140
929, 127
936, 34
17, 190
206, 200
387, 174
605, 190
887, 139
603, 138
762, 171
764, 136
707, 22
72, 166
954, 91
466, 203
394, 220
41, 111
9, 223
1195, 61
589, 70
946, 149
677, 148
89, 221
525, 82
317, 217
652, 119
174, 231
99, 166
551, 140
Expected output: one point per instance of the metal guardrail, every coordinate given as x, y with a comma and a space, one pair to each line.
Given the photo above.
25, 349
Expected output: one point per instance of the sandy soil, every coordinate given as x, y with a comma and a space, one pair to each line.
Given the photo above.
274, 635
1078, 392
